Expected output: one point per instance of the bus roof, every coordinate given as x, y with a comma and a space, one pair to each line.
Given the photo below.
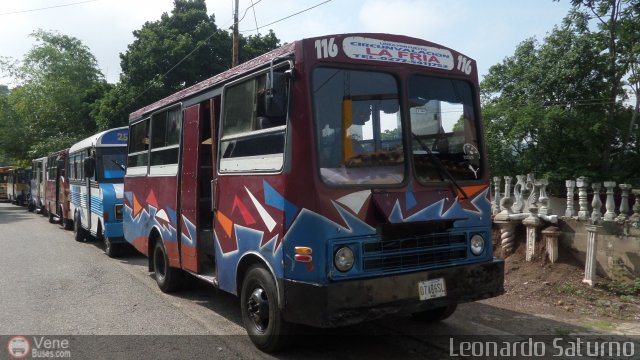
241, 69
107, 138
399, 41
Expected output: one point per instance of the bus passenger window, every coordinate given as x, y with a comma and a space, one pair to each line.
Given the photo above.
251, 141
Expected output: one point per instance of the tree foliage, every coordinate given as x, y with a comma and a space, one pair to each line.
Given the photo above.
170, 54
49, 110
548, 108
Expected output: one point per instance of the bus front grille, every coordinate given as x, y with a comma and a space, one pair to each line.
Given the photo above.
419, 252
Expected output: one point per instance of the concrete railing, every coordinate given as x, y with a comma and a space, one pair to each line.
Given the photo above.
599, 234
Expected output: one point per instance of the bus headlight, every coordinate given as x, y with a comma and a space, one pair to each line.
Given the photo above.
343, 259
118, 212
477, 244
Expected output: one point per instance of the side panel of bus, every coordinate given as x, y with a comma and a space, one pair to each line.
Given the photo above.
151, 184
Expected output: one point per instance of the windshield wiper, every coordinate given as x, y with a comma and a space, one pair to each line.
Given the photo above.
442, 170
119, 165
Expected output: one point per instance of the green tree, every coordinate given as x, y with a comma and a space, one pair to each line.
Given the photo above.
48, 111
170, 54
546, 107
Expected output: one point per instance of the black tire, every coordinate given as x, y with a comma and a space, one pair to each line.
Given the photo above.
168, 278
112, 250
261, 314
31, 207
78, 232
52, 219
437, 314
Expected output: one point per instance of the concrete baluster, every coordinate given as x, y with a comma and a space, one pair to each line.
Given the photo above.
582, 183
624, 202
571, 185
495, 207
518, 190
507, 186
635, 218
596, 204
531, 223
543, 200
610, 205
590, 264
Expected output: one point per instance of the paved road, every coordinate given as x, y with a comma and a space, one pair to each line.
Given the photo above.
53, 285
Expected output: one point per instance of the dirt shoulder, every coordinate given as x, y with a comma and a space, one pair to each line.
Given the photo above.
556, 290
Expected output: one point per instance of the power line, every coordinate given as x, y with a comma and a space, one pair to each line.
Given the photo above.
47, 8
289, 16
254, 17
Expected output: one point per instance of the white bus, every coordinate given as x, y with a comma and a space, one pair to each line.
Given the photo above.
96, 175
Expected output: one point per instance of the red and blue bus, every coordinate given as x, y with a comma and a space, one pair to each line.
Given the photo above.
330, 181
56, 199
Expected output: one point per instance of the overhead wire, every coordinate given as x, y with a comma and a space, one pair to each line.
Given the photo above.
47, 8
289, 16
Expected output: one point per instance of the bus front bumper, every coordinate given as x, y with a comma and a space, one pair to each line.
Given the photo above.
353, 301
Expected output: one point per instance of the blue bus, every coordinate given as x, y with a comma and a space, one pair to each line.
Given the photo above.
96, 175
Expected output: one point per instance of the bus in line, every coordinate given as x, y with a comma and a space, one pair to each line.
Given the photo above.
57, 189
37, 188
330, 181
4, 177
18, 185
96, 173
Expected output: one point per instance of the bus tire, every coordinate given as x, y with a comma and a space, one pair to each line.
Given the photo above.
167, 277
78, 232
435, 315
52, 220
261, 315
31, 207
110, 249
64, 222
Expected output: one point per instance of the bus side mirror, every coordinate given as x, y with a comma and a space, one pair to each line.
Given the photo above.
276, 95
89, 167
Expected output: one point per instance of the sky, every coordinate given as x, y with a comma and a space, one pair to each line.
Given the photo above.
485, 30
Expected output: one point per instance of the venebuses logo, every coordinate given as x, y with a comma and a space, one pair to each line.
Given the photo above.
18, 347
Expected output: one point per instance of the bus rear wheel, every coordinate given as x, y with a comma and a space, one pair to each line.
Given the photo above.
167, 277
78, 231
261, 315
437, 314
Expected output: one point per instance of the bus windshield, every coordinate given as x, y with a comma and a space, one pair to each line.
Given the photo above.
443, 124
110, 164
358, 126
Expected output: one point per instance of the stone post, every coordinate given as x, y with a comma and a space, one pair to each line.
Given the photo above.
624, 202
590, 262
610, 205
532, 222
582, 183
596, 204
495, 208
551, 235
507, 227
571, 185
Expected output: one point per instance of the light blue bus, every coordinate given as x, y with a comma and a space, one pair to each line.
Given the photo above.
96, 175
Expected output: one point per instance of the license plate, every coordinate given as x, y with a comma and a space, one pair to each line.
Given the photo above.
431, 289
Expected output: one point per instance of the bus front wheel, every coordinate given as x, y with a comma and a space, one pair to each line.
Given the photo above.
261, 315
437, 314
167, 277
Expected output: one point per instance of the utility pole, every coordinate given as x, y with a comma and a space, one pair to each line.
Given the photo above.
236, 37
